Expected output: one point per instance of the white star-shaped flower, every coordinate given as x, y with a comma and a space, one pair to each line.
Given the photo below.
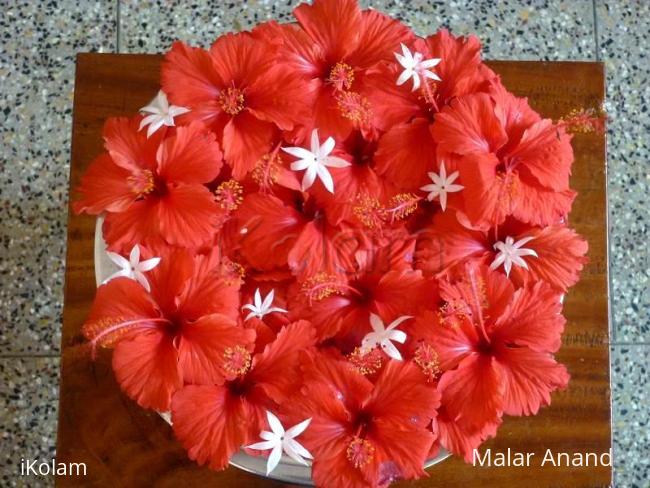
415, 66
261, 308
132, 267
316, 161
442, 184
160, 113
280, 440
383, 336
511, 252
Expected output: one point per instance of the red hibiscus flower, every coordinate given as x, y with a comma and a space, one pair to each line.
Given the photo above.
495, 346
214, 421
240, 90
557, 257
407, 149
384, 284
513, 162
364, 435
153, 188
184, 331
296, 233
335, 46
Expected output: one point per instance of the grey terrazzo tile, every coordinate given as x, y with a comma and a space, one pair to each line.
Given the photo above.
509, 29
28, 413
624, 34
631, 415
38, 43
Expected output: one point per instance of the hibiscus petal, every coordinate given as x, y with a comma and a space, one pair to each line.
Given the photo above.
188, 215
469, 125
271, 368
405, 153
474, 391
245, 140
533, 318
210, 423
334, 26
104, 188
560, 258
202, 347
146, 367
530, 377
189, 77
271, 230
192, 155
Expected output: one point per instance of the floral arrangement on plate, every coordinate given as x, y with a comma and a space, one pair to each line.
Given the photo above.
338, 242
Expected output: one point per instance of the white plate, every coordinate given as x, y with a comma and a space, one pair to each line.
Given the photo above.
288, 470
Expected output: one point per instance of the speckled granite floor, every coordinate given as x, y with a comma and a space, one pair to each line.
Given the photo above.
38, 42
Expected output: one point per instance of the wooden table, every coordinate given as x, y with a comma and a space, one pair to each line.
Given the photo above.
123, 445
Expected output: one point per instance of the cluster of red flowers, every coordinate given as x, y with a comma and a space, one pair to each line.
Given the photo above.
355, 225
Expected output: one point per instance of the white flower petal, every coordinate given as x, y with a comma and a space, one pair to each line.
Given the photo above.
268, 300
258, 298
289, 448
263, 446
121, 261
391, 350
149, 264
430, 63
315, 142
403, 78
299, 448
397, 336
297, 429
326, 178
327, 147
308, 178
498, 261
274, 458
443, 200
336, 162
416, 82
376, 323
119, 274
140, 278
299, 152
274, 423
398, 321
276, 309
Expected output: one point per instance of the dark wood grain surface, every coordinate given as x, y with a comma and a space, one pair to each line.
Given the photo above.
123, 445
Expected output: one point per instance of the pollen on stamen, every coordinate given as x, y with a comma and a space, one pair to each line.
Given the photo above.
354, 107
369, 211
341, 76
141, 183
402, 205
584, 121
233, 272
320, 286
427, 359
366, 362
231, 100
94, 329
360, 452
237, 360
266, 171
229, 195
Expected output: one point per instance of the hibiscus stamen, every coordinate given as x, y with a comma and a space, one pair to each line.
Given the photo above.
141, 182
229, 195
360, 452
429, 94
237, 360
266, 171
401, 206
427, 359
341, 76
323, 285
111, 333
231, 100
366, 362
369, 211
584, 121
354, 107
480, 301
